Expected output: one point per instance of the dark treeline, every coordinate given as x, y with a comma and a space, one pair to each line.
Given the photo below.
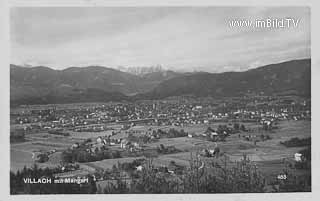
215, 178
297, 142
17, 136
81, 155
171, 133
198, 177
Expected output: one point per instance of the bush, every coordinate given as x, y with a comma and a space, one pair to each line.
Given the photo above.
297, 142
265, 137
167, 150
306, 153
243, 128
17, 135
43, 157
306, 159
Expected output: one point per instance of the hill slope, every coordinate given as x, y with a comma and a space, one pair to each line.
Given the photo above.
94, 83
292, 77
42, 85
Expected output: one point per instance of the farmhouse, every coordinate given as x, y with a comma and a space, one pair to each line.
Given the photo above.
124, 143
297, 157
99, 140
75, 145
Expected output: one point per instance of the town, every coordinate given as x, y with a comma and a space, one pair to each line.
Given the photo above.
117, 140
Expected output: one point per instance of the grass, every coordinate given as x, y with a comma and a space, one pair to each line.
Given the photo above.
108, 163
268, 154
86, 135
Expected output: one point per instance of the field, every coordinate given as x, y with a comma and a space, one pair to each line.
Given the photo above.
86, 135
25, 153
269, 155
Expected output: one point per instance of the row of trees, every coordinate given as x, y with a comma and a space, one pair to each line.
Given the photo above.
81, 155
167, 149
297, 142
172, 133
239, 127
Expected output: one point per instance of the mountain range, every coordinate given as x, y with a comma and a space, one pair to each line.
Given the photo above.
43, 85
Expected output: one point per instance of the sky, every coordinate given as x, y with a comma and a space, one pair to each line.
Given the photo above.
177, 38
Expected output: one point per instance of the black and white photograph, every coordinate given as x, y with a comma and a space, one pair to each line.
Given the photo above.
160, 100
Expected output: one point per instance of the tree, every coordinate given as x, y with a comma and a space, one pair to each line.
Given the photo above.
243, 128
236, 126
43, 157
162, 147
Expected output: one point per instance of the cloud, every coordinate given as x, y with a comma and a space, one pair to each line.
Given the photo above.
182, 38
